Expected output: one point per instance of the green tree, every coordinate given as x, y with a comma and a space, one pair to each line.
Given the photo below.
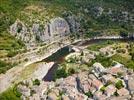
132, 54
89, 94
119, 84
36, 82
123, 34
12, 53
71, 71
61, 73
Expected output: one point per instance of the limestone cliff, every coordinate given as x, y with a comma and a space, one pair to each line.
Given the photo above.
57, 27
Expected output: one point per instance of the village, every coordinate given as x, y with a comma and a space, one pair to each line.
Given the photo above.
66, 50
114, 83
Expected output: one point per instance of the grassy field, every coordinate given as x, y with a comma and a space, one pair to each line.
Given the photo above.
101, 44
10, 94
28, 71
122, 57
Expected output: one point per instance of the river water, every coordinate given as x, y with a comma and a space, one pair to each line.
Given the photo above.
60, 55
58, 58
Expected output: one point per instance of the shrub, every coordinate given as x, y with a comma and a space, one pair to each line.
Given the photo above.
71, 60
130, 64
19, 26
12, 53
119, 84
123, 34
61, 73
32, 92
119, 74
4, 66
132, 54
105, 61
116, 94
89, 94
121, 50
16, 92
71, 71
26, 59
20, 43
11, 94
38, 38
108, 83
102, 89
36, 82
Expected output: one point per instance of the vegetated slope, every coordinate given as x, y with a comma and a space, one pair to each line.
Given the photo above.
95, 16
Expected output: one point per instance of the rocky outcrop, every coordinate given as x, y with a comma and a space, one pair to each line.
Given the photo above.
97, 11
42, 70
74, 25
57, 27
73, 21
20, 31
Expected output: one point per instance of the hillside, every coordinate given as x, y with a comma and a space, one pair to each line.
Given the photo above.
66, 49
25, 23
95, 16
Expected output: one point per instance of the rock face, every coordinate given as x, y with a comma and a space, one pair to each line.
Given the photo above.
74, 25
41, 71
57, 27
20, 31
73, 21
98, 11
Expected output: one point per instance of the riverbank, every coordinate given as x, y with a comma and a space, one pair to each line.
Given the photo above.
8, 79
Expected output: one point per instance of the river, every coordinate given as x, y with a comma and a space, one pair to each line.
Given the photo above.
59, 56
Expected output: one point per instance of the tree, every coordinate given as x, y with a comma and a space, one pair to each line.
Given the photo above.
61, 73
19, 26
71, 71
89, 94
36, 82
123, 34
119, 84
132, 54
12, 53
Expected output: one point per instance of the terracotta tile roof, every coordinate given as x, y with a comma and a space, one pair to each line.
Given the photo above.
109, 77
99, 96
64, 97
123, 92
115, 70
98, 84
110, 90
86, 86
